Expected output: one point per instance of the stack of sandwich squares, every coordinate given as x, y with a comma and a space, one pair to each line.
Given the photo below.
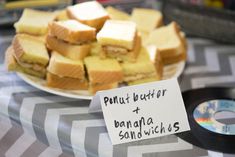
98, 50
90, 13
70, 38
70, 42
27, 54
119, 40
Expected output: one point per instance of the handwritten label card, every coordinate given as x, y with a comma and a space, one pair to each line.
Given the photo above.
142, 111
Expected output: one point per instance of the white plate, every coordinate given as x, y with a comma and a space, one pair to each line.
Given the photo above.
169, 71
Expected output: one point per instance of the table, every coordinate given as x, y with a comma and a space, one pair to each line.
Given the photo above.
36, 123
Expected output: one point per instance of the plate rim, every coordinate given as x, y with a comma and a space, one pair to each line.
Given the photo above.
24, 77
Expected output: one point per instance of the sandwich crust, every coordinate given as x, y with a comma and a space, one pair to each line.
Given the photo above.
156, 59
174, 59
65, 67
72, 31
72, 51
56, 81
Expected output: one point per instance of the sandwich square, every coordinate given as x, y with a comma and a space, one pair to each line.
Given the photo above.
167, 40
101, 71
29, 49
118, 33
65, 67
146, 19
34, 22
91, 13
12, 65
72, 31
142, 68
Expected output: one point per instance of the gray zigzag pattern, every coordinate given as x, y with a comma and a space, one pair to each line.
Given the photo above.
65, 127
13, 134
39, 116
16, 131
91, 134
225, 68
16, 102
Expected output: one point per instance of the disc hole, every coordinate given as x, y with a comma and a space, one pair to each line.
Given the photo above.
225, 117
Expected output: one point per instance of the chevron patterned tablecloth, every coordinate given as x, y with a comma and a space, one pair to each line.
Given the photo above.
36, 123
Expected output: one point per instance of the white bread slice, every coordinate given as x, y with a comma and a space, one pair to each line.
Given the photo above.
146, 19
93, 88
72, 31
118, 33
167, 40
29, 49
12, 65
103, 71
116, 14
74, 52
34, 22
82, 12
66, 82
65, 67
